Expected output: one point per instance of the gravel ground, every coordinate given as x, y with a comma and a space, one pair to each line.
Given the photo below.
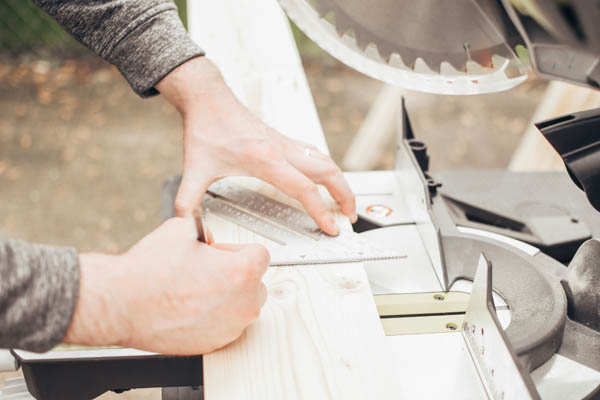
82, 158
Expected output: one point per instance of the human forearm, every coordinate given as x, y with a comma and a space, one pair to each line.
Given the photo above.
169, 293
38, 291
144, 39
196, 87
100, 316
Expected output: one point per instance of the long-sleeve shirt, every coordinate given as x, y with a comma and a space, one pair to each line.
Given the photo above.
145, 40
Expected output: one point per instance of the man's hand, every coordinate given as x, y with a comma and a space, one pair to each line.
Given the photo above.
223, 138
169, 293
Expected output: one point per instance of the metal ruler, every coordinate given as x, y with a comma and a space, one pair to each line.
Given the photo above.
265, 207
300, 240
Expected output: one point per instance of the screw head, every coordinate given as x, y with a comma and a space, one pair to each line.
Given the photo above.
451, 326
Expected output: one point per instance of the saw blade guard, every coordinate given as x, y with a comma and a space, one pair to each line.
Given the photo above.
457, 47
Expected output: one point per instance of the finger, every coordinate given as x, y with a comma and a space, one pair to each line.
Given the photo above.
190, 194
339, 188
253, 254
321, 169
177, 225
210, 238
228, 246
262, 295
295, 184
257, 256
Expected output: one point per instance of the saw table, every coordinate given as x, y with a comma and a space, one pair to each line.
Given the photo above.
537, 346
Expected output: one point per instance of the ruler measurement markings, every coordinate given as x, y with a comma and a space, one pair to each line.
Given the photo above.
288, 226
272, 210
328, 259
248, 221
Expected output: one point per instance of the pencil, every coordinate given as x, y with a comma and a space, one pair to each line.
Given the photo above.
200, 225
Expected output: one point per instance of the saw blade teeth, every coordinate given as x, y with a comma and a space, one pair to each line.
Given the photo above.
385, 52
349, 40
448, 69
322, 7
409, 59
422, 67
341, 29
372, 52
361, 42
454, 62
396, 61
475, 68
508, 67
342, 25
371, 40
498, 62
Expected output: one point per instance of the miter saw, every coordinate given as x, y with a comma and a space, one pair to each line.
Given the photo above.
531, 327
457, 47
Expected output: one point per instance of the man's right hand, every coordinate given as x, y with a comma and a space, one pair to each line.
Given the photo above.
169, 293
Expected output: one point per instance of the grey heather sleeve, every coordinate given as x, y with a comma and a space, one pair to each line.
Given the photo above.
38, 292
144, 39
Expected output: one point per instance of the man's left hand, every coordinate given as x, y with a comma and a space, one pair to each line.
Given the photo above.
223, 138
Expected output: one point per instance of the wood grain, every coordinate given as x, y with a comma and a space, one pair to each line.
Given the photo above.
318, 337
252, 44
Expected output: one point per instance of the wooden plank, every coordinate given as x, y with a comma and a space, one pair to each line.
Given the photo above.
319, 335
252, 44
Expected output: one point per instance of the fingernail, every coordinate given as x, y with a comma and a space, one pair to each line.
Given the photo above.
354, 218
333, 228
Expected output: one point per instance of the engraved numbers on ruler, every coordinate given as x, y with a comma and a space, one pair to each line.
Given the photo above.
347, 247
303, 242
248, 221
269, 209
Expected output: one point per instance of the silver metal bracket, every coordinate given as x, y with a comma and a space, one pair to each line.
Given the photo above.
502, 375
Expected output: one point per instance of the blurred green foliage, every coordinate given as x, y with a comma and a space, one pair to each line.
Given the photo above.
307, 47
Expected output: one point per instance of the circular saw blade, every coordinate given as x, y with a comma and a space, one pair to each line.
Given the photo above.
454, 47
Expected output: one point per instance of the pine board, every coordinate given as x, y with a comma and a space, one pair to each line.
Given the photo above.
318, 337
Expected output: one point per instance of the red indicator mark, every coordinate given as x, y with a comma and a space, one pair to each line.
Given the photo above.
379, 210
